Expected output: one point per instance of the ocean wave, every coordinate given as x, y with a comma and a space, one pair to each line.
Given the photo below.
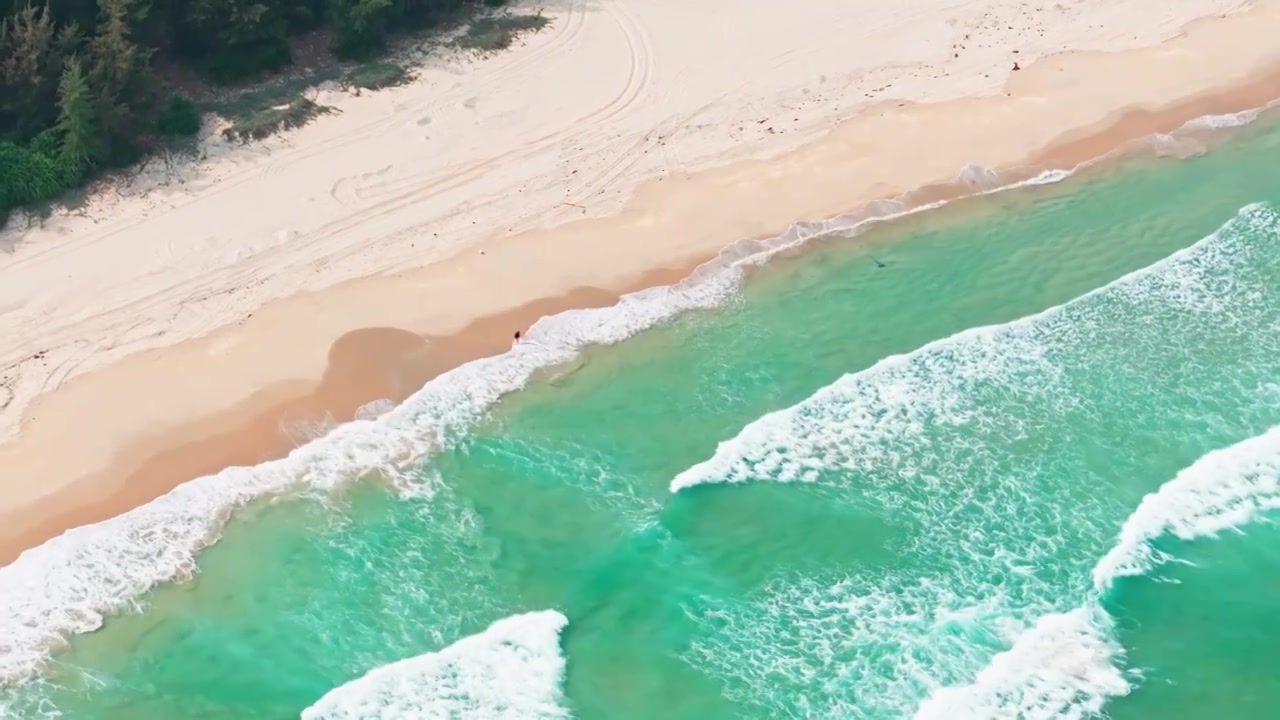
1223, 490
1225, 121
905, 392
67, 585
1000, 618
512, 670
1189, 139
1066, 666
1062, 668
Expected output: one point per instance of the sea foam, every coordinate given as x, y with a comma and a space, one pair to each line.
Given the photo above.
1062, 668
1066, 665
1223, 490
886, 433
67, 585
1225, 121
787, 445
511, 671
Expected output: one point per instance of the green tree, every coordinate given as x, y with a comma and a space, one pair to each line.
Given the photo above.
79, 90
359, 26
28, 73
67, 43
233, 39
122, 83
75, 122
180, 117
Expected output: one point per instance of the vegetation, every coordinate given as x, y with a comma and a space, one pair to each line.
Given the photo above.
267, 122
87, 86
497, 32
180, 117
375, 76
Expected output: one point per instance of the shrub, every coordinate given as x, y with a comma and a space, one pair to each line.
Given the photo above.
28, 177
46, 143
494, 33
247, 61
360, 26
375, 76
180, 117
272, 120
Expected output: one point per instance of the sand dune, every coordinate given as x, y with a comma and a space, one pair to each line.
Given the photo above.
630, 136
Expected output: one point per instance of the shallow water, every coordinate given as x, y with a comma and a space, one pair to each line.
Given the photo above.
901, 490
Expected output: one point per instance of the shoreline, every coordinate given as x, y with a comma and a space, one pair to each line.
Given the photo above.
366, 367
383, 337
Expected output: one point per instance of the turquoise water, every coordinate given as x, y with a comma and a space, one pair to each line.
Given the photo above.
1022, 470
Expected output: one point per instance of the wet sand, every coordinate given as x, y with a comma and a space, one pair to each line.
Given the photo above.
364, 366
393, 333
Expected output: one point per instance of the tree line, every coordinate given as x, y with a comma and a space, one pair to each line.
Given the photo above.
79, 90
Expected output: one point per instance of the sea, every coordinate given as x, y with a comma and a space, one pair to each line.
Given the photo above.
1016, 456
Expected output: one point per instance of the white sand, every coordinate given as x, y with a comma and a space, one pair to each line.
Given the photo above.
570, 124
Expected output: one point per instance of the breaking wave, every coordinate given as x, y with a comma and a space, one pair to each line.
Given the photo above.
984, 452
1066, 666
904, 395
511, 671
67, 585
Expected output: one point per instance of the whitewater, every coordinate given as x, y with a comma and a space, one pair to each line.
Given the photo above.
512, 670
972, 408
68, 585
1009, 458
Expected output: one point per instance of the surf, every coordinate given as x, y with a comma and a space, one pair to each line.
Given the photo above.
782, 441
982, 449
512, 670
70, 584
1067, 665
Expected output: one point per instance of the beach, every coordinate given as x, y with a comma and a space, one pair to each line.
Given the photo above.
955, 398
222, 313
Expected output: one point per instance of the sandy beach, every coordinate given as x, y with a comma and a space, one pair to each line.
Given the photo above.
221, 312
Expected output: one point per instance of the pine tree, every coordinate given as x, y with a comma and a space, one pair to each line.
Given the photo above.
83, 13
114, 56
28, 73
234, 39
121, 80
75, 121
67, 44
359, 25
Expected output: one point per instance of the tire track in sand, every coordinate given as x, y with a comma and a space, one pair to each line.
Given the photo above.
641, 51
564, 32
639, 77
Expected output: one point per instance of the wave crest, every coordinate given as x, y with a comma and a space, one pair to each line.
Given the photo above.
1062, 668
1066, 666
1028, 636
512, 670
67, 585
70, 583
1223, 490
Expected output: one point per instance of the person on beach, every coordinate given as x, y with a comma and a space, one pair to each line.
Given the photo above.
517, 340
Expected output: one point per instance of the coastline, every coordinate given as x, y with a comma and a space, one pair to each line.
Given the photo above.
383, 337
